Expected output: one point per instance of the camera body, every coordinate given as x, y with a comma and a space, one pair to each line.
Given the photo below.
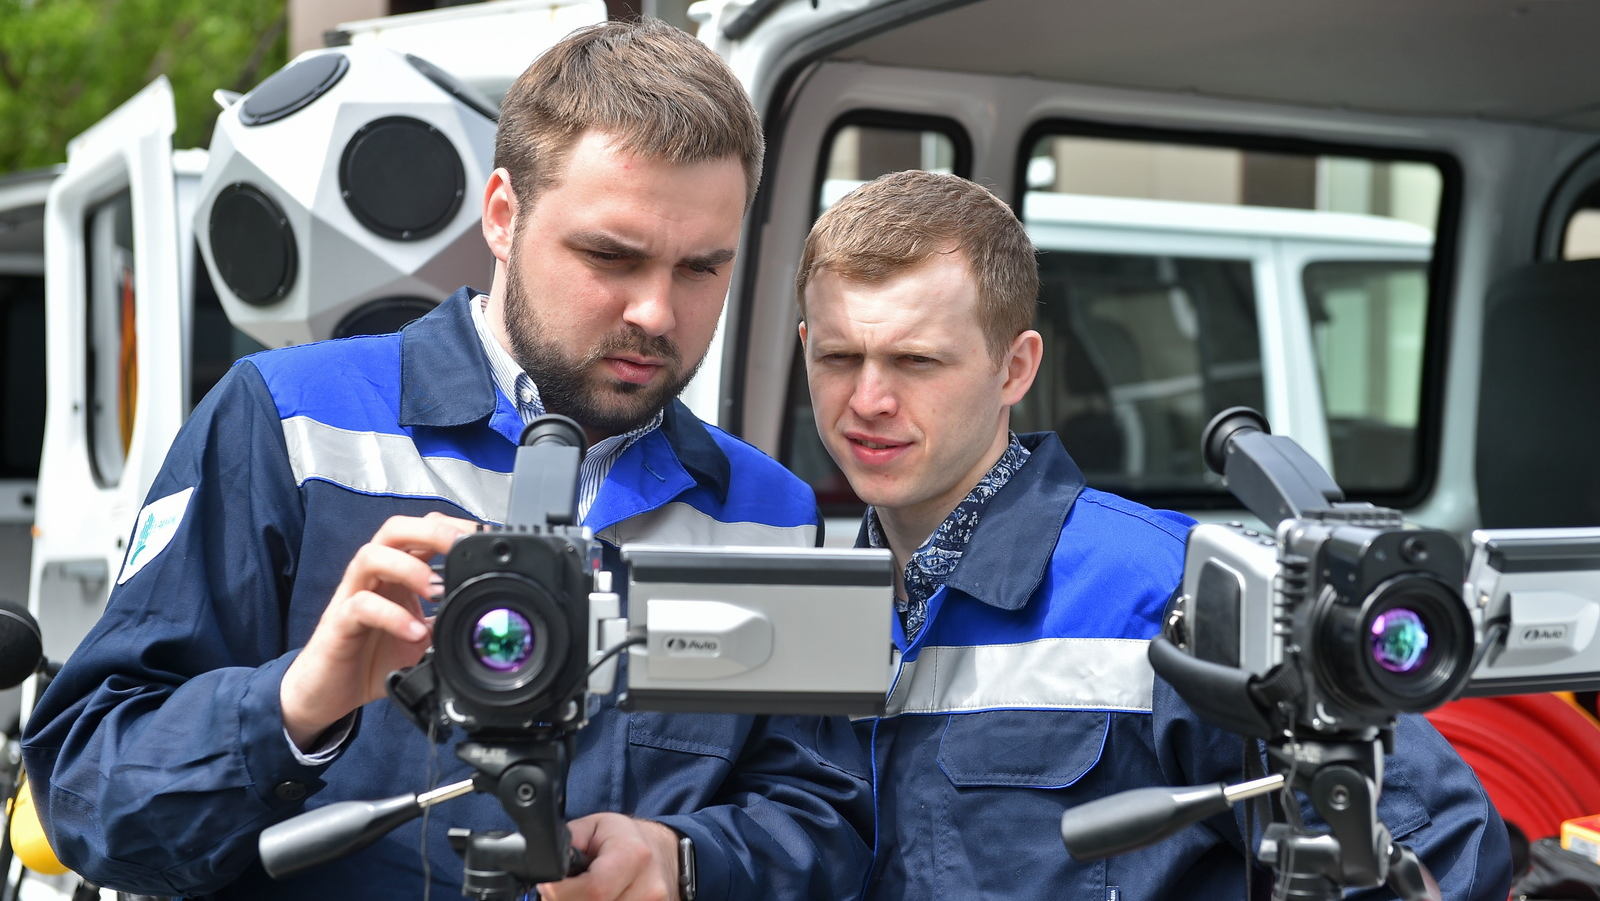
529, 625
511, 637
1366, 613
1337, 621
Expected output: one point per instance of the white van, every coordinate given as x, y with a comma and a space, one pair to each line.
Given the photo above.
1366, 218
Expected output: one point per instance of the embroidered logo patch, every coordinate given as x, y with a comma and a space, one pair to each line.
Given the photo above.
158, 522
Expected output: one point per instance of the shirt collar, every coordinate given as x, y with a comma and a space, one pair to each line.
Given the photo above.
931, 564
509, 377
1009, 551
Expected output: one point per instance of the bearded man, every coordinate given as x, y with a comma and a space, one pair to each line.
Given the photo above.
229, 685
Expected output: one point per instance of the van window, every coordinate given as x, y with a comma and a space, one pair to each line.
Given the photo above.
1139, 348
112, 377
1570, 223
22, 375
865, 145
1158, 260
1367, 323
858, 148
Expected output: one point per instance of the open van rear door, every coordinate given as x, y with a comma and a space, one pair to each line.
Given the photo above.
114, 339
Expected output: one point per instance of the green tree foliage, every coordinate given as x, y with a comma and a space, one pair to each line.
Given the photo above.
64, 64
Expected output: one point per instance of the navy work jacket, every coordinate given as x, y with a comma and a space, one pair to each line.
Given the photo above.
1029, 692
158, 755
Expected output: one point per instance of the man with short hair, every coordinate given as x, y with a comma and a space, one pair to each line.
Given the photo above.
228, 685
1026, 600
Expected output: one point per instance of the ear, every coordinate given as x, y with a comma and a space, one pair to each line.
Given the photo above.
499, 214
802, 333
1021, 365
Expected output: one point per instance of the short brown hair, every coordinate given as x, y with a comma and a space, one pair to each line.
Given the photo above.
656, 89
895, 222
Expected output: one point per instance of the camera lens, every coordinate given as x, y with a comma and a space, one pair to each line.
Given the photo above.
502, 640
1404, 648
505, 649
1399, 640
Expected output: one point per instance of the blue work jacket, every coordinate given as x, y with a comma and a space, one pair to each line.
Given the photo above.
1029, 692
158, 755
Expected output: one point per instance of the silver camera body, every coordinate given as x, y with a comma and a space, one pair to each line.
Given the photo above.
1540, 590
1367, 614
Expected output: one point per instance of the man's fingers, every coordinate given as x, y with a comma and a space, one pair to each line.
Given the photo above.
377, 565
431, 534
626, 862
372, 610
373, 624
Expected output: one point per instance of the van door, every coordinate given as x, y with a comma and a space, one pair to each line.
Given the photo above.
21, 385
22, 199
114, 339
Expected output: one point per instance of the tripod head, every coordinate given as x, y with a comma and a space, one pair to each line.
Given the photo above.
527, 775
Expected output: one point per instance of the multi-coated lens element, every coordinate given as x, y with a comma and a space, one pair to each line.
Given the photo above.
503, 640
1403, 648
1399, 640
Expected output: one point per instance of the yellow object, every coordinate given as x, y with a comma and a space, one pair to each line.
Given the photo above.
27, 835
1582, 836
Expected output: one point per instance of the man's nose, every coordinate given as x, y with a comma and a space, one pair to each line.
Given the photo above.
649, 305
874, 394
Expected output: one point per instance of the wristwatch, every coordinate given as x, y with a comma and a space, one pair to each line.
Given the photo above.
686, 874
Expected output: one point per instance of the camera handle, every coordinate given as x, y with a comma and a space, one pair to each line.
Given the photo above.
1340, 779
527, 775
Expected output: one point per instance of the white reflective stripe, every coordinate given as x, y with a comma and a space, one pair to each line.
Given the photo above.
679, 523
1047, 674
375, 463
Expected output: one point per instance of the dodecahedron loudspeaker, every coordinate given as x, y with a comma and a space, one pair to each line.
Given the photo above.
343, 196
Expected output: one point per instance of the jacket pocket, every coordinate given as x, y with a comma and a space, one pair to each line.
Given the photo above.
1022, 748
988, 829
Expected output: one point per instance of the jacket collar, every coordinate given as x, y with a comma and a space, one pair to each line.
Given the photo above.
446, 382
695, 448
444, 377
1010, 551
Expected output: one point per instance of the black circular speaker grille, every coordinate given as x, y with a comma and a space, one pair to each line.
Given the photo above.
252, 244
455, 87
382, 317
292, 88
401, 178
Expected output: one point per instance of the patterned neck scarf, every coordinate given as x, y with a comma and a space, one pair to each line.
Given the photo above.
930, 566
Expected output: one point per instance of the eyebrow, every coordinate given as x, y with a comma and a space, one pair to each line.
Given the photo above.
829, 346
603, 242
710, 260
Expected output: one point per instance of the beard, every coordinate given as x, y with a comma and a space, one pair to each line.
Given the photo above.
574, 386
